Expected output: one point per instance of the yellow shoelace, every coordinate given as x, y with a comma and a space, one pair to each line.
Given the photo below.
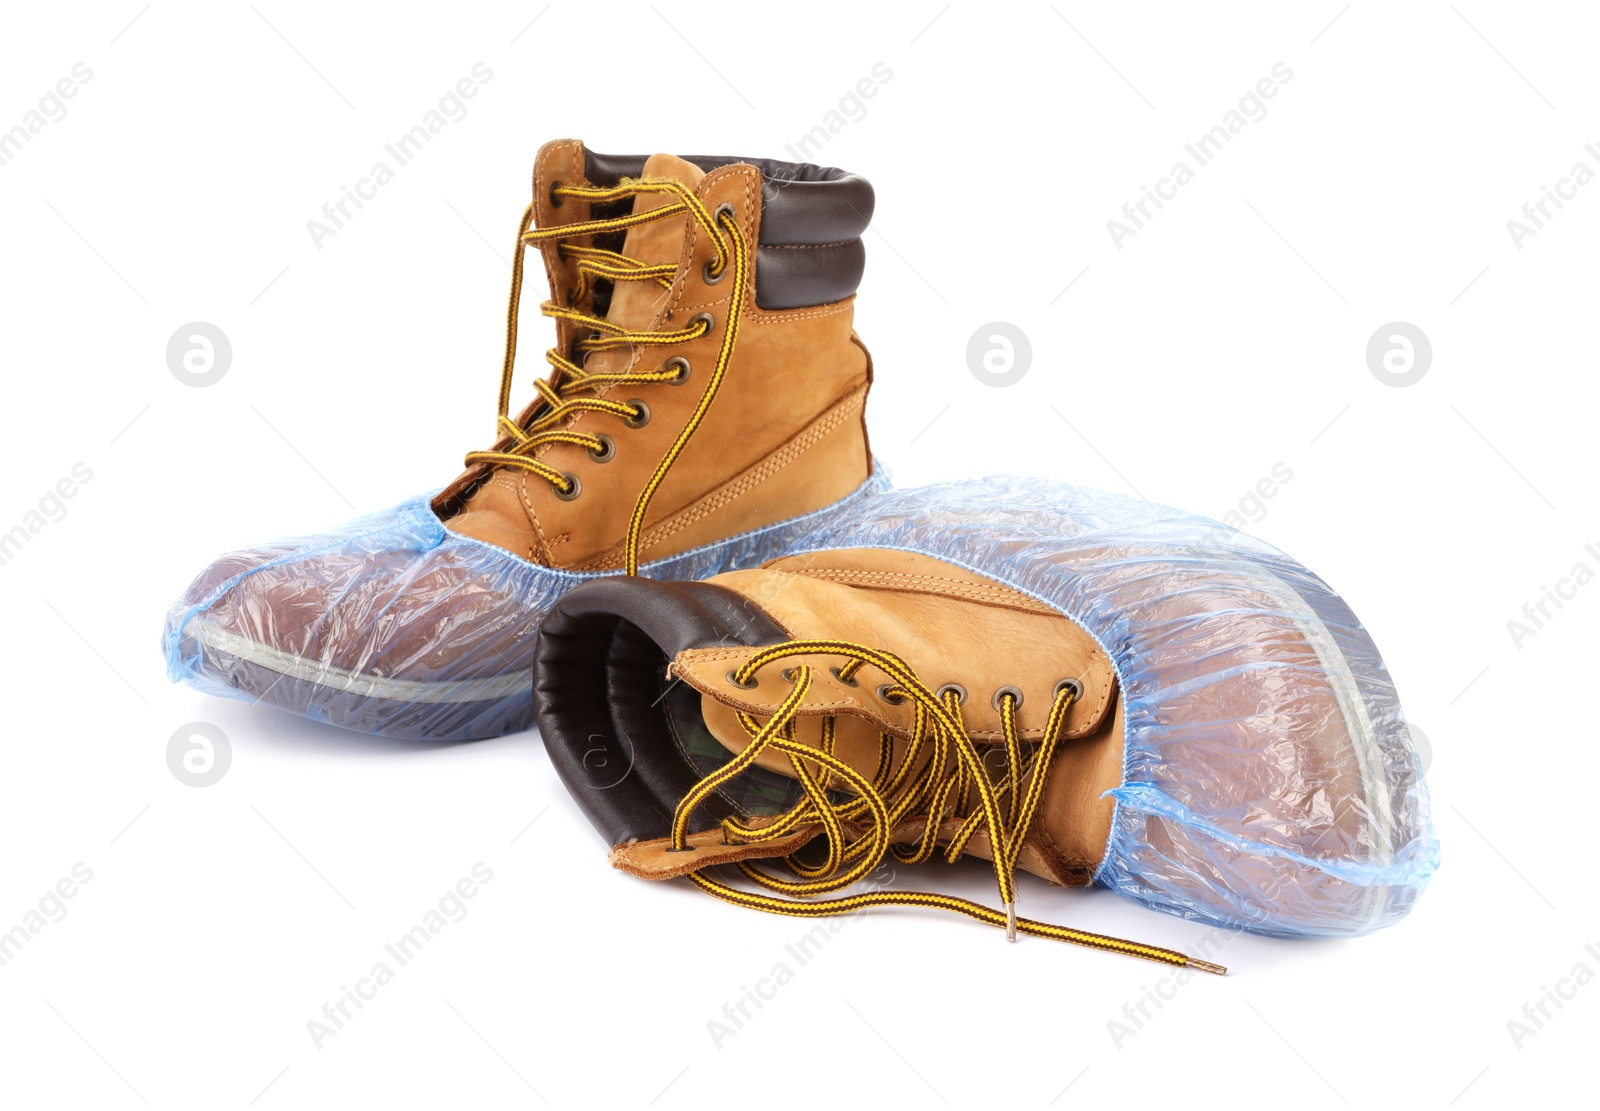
897, 793
570, 389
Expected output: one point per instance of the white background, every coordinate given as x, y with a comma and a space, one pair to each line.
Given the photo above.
1227, 336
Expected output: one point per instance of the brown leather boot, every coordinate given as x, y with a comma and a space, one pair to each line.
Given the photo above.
722, 281
705, 405
874, 702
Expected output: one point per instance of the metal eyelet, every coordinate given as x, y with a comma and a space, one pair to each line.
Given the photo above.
555, 201
960, 692
850, 682
886, 693
706, 273
607, 452
711, 322
1075, 686
1002, 692
574, 488
790, 674
641, 414
683, 370
733, 677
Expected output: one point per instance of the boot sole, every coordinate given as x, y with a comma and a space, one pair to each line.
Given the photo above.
406, 709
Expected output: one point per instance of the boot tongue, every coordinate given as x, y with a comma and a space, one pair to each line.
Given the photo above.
634, 304
496, 512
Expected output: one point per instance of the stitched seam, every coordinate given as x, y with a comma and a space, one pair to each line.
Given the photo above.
627, 858
753, 211
830, 419
912, 583
693, 656
781, 315
681, 284
540, 544
744, 483
808, 246
782, 457
1095, 717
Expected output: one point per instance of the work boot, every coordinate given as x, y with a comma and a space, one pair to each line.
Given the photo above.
704, 408
1079, 686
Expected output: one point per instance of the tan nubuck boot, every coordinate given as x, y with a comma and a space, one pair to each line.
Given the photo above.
832, 709
704, 407
684, 291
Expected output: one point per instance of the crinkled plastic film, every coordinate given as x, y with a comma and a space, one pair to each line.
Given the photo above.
1269, 779
397, 625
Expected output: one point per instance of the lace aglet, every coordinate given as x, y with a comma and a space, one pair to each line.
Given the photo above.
1011, 922
1207, 966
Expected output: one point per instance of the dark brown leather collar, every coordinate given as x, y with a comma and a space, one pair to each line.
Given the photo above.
607, 711
809, 249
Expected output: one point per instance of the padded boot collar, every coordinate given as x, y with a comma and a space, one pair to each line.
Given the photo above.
809, 249
603, 697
